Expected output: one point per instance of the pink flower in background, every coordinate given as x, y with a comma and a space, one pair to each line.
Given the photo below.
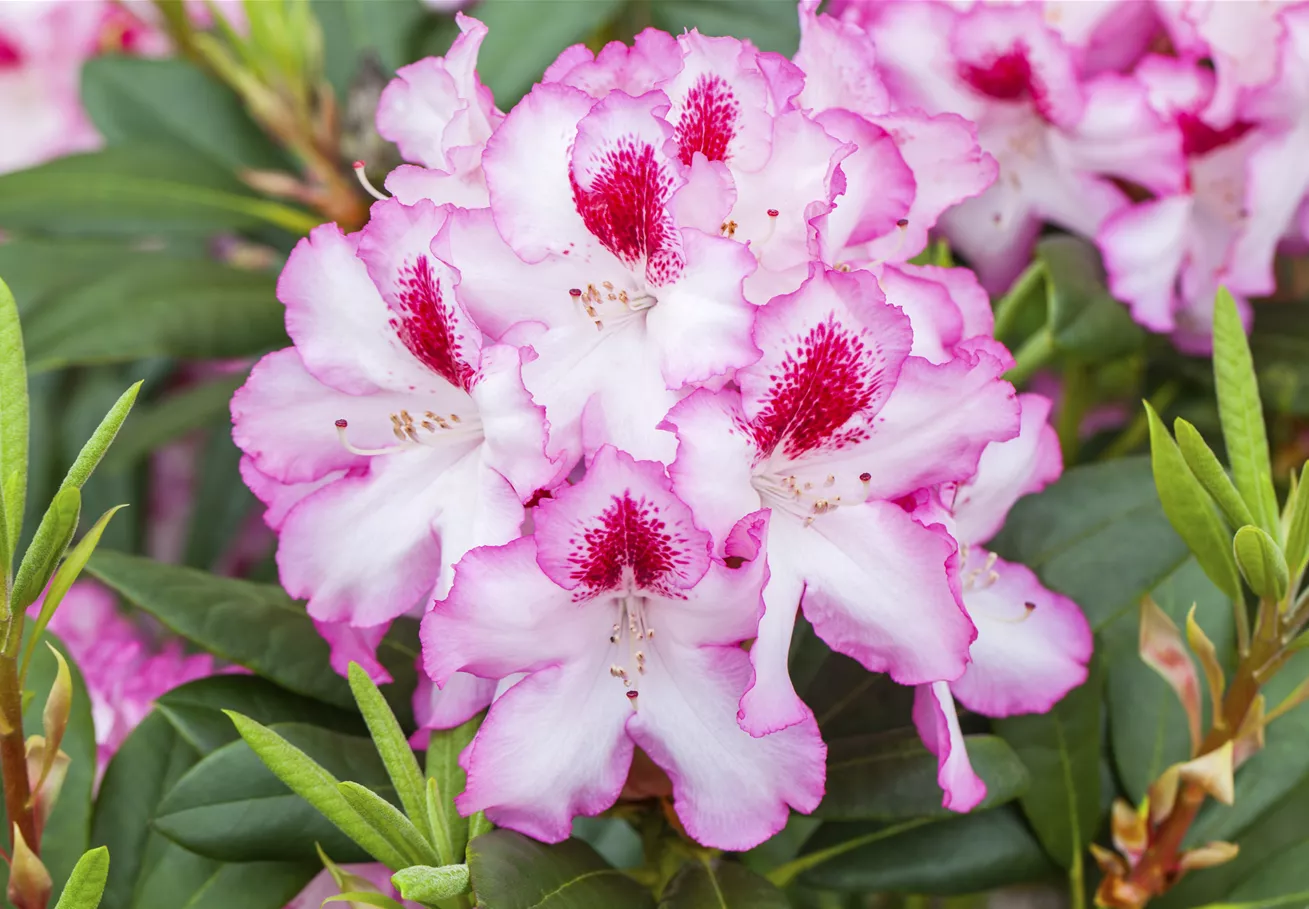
124, 668
627, 630
828, 430
1032, 644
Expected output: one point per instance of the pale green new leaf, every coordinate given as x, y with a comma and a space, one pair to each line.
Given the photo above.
53, 535
1242, 415
63, 580
443, 748
367, 899
425, 884
392, 746
1261, 562
1190, 510
1297, 531
388, 821
86, 885
13, 415
1204, 464
307, 779
100, 440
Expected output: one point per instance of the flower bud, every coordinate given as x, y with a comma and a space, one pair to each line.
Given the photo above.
29, 882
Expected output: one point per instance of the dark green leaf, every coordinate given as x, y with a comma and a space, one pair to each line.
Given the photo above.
86, 885
136, 189
1084, 318
1280, 346
1261, 562
771, 25
159, 422
218, 613
196, 709
354, 29
155, 306
1242, 414
894, 778
510, 871
231, 807
171, 102
1062, 751
13, 419
967, 854
525, 38
1098, 536
845, 697
1147, 725
1190, 509
720, 884
223, 503
187, 881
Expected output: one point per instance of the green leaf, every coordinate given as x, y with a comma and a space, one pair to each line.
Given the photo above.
510, 871
189, 881
720, 884
223, 503
13, 418
196, 709
358, 30
1062, 751
135, 189
1189, 508
894, 778
1242, 414
1261, 562
1205, 466
53, 535
524, 38
425, 884
67, 831
1084, 318
63, 581
86, 885
391, 823
230, 808
393, 747
966, 854
1279, 344
157, 423
1098, 535
446, 780
366, 898
94, 450
771, 26
1297, 526
151, 306
218, 613
172, 102
846, 698
1147, 724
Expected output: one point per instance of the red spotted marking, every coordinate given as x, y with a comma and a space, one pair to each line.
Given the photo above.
1008, 77
623, 207
827, 378
628, 536
426, 324
11, 57
708, 122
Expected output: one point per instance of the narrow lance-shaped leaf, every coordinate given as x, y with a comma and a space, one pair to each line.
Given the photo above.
1205, 466
1190, 510
307, 779
54, 719
86, 885
48, 545
401, 765
13, 415
96, 446
1261, 562
388, 821
1241, 413
366, 898
446, 780
1163, 651
425, 884
1297, 531
63, 581
1207, 654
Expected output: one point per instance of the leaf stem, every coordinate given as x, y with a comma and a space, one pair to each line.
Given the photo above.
1034, 353
783, 875
1011, 305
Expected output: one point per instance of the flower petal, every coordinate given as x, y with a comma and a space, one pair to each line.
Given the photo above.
720, 102
355, 644
462, 698
730, 790
513, 424
1032, 644
653, 58
620, 525
770, 703
280, 498
410, 185
839, 64
938, 726
1144, 248
879, 186
1008, 471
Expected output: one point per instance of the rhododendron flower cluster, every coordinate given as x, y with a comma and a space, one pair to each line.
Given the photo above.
634, 375
1171, 133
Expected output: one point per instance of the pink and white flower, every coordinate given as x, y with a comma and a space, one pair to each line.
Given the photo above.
828, 430
1032, 644
626, 629
391, 439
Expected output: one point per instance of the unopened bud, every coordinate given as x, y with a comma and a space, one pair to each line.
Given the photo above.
1208, 855
45, 786
1163, 651
1129, 829
55, 716
29, 882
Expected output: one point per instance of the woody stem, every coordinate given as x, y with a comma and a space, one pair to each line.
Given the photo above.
13, 754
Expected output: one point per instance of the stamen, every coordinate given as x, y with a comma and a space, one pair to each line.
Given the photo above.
367, 452
772, 226
899, 242
367, 184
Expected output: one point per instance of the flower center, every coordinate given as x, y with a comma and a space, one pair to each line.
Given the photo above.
630, 633
608, 305
428, 429
805, 499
